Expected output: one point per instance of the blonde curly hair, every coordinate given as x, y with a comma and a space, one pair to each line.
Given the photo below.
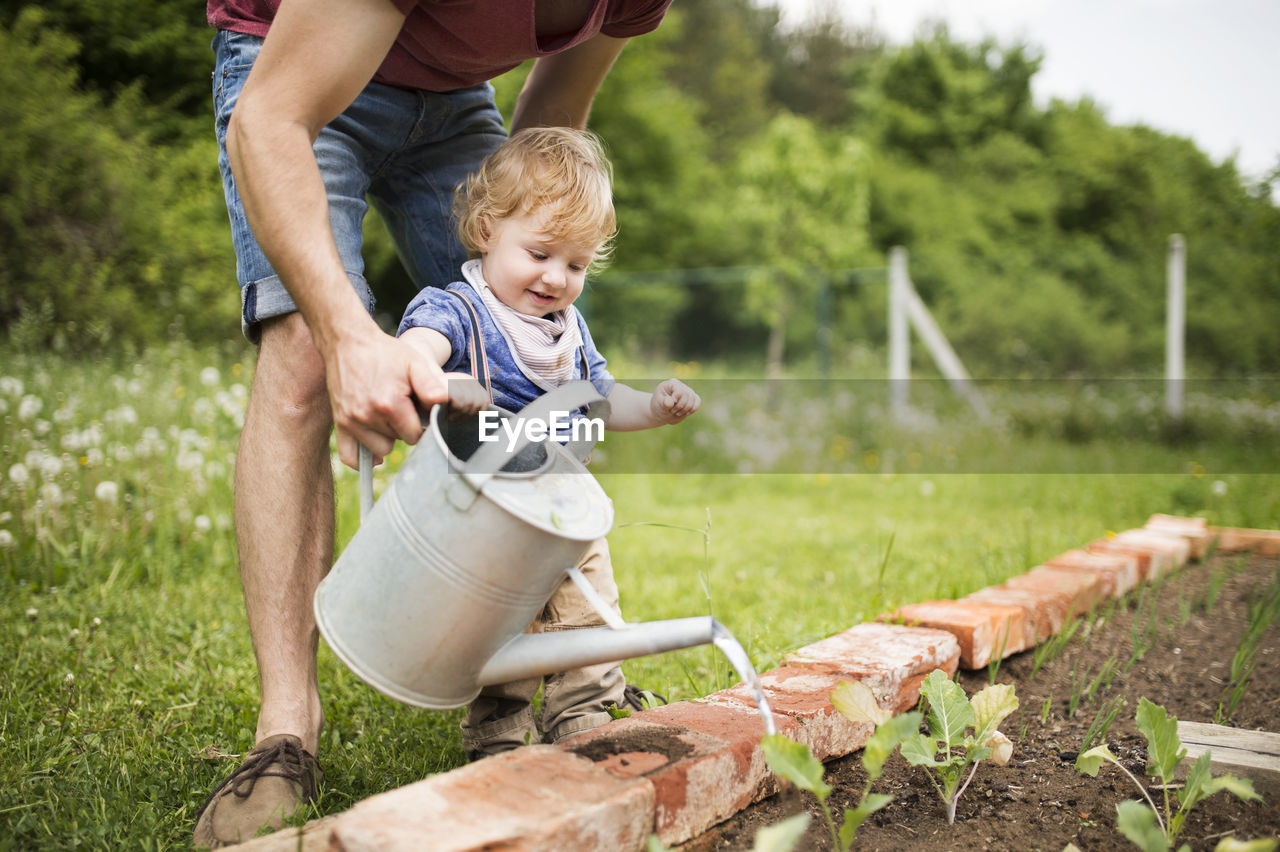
560, 169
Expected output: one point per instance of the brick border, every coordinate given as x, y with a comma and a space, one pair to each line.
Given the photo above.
678, 770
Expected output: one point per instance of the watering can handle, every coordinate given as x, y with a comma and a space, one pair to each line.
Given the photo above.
492, 456
570, 396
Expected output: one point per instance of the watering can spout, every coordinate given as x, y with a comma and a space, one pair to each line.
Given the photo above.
535, 654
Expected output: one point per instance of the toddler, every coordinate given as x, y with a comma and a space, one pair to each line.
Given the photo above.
536, 217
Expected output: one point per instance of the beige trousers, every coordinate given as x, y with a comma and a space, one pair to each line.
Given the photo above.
502, 717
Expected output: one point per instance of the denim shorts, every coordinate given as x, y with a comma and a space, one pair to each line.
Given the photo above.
404, 151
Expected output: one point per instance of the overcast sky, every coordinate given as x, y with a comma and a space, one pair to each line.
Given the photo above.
1207, 69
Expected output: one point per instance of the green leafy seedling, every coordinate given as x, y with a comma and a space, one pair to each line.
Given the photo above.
962, 734
796, 763
1155, 829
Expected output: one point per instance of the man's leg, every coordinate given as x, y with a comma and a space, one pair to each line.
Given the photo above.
284, 524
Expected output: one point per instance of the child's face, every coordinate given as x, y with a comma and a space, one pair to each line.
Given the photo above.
529, 270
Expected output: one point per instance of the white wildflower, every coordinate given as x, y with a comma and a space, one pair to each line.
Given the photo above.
106, 491
51, 494
33, 614
43, 427
210, 376
6, 540
29, 407
70, 679
203, 524
9, 386
18, 474
75, 631
94, 456
50, 466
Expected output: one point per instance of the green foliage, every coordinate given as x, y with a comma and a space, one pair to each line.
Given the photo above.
1037, 234
962, 733
155, 55
1153, 829
103, 237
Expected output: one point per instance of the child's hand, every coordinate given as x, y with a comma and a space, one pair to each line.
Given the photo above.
466, 395
673, 401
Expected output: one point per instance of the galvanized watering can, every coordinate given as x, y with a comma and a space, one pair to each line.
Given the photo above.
430, 599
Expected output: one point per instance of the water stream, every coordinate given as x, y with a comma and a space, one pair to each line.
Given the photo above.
737, 655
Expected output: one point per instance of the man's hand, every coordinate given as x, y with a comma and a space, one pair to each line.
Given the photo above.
374, 382
673, 401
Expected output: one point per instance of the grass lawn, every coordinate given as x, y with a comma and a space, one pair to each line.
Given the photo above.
128, 679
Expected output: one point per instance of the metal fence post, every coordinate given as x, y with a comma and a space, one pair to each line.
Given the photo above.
824, 323
899, 339
1175, 327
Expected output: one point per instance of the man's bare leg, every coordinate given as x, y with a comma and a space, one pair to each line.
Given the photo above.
285, 524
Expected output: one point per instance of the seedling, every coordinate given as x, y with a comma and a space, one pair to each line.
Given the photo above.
1077, 691
1263, 612
1101, 723
1048, 651
962, 734
1154, 829
1102, 680
797, 764
993, 667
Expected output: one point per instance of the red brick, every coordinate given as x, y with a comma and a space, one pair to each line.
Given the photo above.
1151, 563
534, 798
980, 628
1080, 592
1177, 548
708, 763
1236, 539
891, 659
1046, 614
1194, 530
1119, 571
802, 692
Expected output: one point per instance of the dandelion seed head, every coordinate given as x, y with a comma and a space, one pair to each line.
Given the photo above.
51, 494
927, 488
18, 474
203, 524
33, 614
9, 386
29, 407
6, 540
106, 491
210, 376
1219, 488
70, 679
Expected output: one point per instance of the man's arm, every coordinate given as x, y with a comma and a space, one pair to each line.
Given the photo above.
318, 56
559, 89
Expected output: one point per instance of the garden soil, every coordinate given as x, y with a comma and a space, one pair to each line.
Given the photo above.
1039, 801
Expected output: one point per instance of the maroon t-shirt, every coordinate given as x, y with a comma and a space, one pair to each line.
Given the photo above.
449, 44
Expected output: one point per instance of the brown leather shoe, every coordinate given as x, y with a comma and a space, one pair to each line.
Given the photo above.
275, 779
